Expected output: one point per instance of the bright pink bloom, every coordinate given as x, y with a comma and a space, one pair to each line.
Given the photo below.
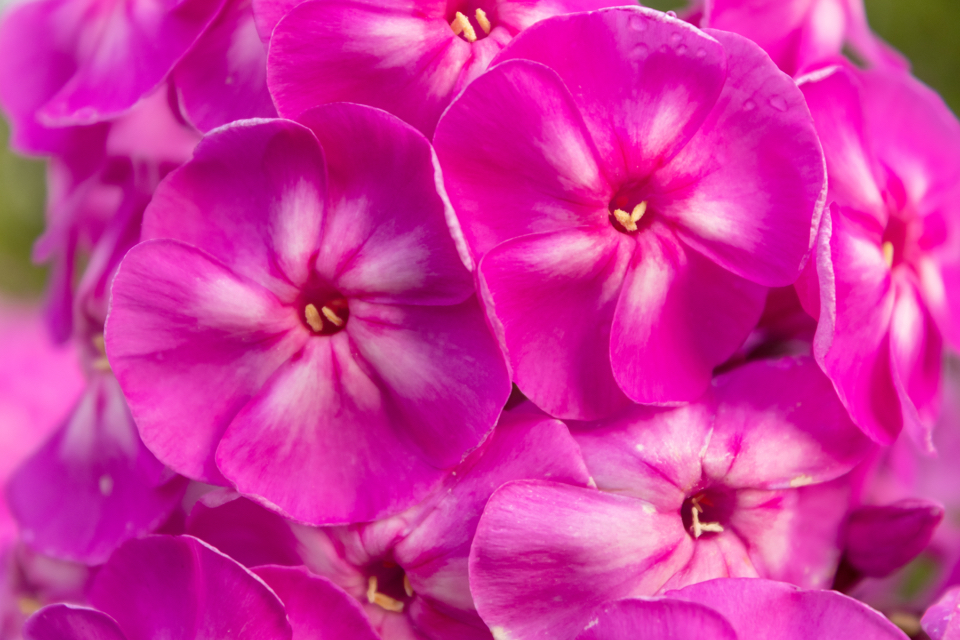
302, 321
417, 560
728, 609
801, 33
631, 202
202, 594
942, 620
741, 483
77, 62
403, 56
224, 76
888, 261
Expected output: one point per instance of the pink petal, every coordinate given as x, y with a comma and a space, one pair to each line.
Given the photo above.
191, 342
385, 234
223, 77
395, 56
657, 620
319, 443
941, 621
182, 589
315, 607
535, 171
67, 622
547, 554
881, 539
679, 315
553, 294
748, 190
643, 81
253, 197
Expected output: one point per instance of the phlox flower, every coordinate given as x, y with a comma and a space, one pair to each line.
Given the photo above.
182, 589
745, 482
940, 621
408, 57
633, 188
300, 322
889, 247
800, 33
65, 63
728, 609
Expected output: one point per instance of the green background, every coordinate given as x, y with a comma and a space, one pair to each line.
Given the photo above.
927, 31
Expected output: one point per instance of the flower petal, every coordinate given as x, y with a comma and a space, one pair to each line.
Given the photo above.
67, 622
879, 539
656, 620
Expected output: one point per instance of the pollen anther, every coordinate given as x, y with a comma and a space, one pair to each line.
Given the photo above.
313, 318
331, 316
483, 20
461, 24
699, 528
407, 587
382, 601
888, 253
629, 220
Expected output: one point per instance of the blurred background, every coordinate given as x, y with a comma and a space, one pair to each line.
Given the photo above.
927, 31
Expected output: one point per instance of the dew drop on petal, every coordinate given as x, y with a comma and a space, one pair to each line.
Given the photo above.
672, 14
638, 23
749, 105
778, 103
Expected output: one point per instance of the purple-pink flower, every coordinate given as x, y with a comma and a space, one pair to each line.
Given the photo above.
744, 482
637, 185
300, 322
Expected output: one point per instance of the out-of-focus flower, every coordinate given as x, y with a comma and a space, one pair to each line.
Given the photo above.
182, 589
728, 609
223, 77
800, 33
302, 321
742, 483
631, 202
68, 63
889, 248
941, 621
408, 57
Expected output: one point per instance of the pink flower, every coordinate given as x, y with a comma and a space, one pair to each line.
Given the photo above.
728, 609
888, 261
301, 321
742, 483
408, 57
800, 33
632, 185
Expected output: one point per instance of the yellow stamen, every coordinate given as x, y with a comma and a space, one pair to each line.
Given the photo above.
699, 528
888, 253
331, 316
461, 24
629, 220
313, 317
407, 587
382, 601
483, 20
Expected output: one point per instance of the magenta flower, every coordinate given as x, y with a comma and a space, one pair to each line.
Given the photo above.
728, 609
887, 259
301, 319
410, 571
224, 75
182, 589
77, 62
800, 33
631, 203
742, 483
408, 57
941, 621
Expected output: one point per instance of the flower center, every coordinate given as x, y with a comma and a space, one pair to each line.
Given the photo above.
705, 512
388, 586
469, 23
326, 317
629, 206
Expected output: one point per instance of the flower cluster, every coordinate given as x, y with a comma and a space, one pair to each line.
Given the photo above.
480, 319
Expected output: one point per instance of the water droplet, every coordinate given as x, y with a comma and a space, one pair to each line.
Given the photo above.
749, 105
701, 53
672, 14
638, 23
675, 38
778, 103
640, 51
682, 49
